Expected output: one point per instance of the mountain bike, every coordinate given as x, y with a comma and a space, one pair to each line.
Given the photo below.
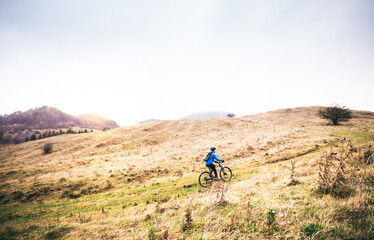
206, 178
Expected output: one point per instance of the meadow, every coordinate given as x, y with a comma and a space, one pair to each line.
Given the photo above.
140, 182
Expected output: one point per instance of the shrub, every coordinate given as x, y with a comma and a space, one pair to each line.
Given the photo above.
62, 180
17, 195
270, 216
47, 148
336, 114
33, 137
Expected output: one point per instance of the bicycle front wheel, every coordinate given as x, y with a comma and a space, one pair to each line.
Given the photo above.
205, 180
225, 174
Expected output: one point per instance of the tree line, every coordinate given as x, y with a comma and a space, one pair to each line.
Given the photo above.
52, 133
8, 138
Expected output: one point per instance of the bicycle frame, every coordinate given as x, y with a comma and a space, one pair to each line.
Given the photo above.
217, 169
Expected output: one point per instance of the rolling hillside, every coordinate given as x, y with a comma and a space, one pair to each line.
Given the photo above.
140, 182
51, 118
15, 127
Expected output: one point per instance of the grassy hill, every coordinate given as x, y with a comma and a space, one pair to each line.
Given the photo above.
140, 182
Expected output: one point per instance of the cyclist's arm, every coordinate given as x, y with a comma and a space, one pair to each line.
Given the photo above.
215, 158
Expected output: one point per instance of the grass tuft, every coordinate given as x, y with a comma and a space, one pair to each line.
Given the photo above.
58, 233
311, 229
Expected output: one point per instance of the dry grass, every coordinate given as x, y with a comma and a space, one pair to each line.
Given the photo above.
140, 182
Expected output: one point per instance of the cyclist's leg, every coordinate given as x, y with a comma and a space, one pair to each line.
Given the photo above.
213, 168
215, 171
210, 169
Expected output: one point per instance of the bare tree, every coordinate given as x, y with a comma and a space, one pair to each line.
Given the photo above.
230, 115
336, 114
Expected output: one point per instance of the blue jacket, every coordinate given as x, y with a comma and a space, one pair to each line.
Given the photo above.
212, 158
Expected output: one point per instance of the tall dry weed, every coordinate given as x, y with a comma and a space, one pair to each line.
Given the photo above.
334, 176
188, 224
221, 190
293, 181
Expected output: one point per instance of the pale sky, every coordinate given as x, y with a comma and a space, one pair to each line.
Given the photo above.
135, 60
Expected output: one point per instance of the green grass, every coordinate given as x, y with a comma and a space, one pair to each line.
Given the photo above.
311, 229
113, 200
359, 137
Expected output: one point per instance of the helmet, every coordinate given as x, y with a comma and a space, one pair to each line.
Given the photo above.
212, 148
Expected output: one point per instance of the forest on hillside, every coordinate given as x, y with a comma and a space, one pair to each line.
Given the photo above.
18, 125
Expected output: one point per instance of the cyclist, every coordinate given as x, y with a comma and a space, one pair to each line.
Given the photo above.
209, 163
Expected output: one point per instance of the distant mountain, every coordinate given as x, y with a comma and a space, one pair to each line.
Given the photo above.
51, 118
96, 121
149, 120
206, 115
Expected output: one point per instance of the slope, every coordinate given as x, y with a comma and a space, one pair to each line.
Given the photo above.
140, 182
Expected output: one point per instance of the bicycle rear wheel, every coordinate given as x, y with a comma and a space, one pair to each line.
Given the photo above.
205, 180
225, 174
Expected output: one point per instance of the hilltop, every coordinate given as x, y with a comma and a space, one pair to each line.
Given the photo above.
140, 182
206, 115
